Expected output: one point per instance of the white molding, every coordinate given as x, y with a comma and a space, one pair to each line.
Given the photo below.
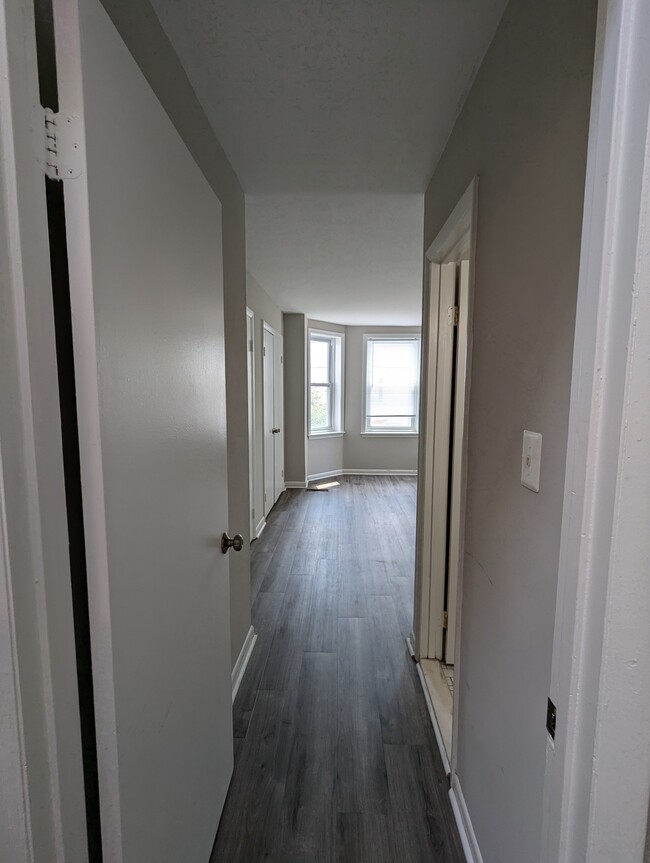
260, 527
326, 435
387, 435
297, 484
433, 718
242, 661
325, 475
350, 472
464, 823
596, 783
376, 472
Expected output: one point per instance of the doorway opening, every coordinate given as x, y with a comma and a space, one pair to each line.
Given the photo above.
446, 341
273, 411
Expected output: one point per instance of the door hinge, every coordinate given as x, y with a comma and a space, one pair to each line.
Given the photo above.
62, 145
445, 620
264, 349
281, 359
253, 512
453, 316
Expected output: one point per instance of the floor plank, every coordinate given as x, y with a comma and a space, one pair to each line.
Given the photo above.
336, 759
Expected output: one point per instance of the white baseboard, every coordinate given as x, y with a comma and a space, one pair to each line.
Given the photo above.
242, 661
297, 484
434, 720
377, 472
325, 475
464, 823
347, 472
260, 527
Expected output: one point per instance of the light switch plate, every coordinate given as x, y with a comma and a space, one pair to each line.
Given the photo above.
531, 459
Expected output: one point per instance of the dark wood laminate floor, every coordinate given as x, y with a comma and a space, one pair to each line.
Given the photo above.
335, 758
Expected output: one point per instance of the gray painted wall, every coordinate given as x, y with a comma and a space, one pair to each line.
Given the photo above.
264, 309
295, 407
140, 29
523, 130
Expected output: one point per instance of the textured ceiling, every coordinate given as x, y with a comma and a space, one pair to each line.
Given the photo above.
311, 98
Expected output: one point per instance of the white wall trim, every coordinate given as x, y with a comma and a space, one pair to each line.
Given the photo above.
378, 472
326, 474
464, 823
242, 661
297, 484
260, 527
596, 784
433, 718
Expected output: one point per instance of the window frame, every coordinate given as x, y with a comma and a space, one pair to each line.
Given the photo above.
336, 352
399, 432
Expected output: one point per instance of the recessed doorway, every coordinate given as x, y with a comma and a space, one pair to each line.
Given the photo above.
446, 339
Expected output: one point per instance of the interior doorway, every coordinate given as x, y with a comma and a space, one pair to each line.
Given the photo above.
250, 377
446, 339
273, 415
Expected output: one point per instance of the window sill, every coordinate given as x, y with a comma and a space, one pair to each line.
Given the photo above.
316, 435
390, 434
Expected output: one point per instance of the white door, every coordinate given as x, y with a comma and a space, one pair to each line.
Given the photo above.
273, 389
144, 242
441, 452
278, 415
457, 462
250, 369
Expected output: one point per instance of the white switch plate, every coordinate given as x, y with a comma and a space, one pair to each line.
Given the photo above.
531, 459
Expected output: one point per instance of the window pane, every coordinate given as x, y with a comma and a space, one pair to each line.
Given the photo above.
319, 361
319, 407
393, 380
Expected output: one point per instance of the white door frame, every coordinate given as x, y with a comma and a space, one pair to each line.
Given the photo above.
278, 440
250, 355
43, 811
598, 766
430, 585
428, 607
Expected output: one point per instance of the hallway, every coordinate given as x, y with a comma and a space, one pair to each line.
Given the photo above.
335, 757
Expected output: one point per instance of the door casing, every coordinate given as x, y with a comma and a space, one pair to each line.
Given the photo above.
272, 415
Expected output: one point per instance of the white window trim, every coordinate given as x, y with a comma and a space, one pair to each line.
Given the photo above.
337, 429
398, 433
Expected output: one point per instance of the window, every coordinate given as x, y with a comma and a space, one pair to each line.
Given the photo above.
392, 384
325, 383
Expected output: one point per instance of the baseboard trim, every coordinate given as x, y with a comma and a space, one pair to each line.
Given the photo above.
260, 527
434, 720
325, 475
348, 472
377, 472
297, 484
242, 661
464, 823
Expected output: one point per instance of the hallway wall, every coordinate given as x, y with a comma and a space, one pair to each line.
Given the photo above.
523, 130
265, 310
141, 31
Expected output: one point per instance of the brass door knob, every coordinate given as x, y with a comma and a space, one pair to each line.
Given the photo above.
237, 542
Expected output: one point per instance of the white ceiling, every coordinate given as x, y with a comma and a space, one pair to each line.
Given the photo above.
333, 113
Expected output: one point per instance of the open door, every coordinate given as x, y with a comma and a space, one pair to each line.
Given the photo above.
143, 232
